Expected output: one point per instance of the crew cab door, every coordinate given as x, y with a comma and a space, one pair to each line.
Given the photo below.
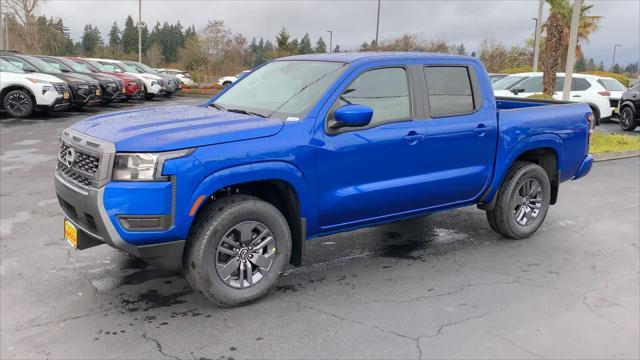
375, 171
461, 134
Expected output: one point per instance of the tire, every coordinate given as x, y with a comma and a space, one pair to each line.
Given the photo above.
216, 225
627, 122
148, 96
596, 117
523, 178
18, 103
226, 83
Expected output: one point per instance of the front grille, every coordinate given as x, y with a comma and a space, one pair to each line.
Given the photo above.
84, 165
614, 102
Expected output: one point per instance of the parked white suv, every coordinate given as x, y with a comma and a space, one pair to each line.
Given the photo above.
153, 84
584, 89
22, 92
184, 76
228, 80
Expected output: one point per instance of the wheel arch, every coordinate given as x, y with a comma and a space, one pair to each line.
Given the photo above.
278, 183
5, 90
629, 103
544, 150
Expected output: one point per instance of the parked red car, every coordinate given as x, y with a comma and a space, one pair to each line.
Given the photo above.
133, 87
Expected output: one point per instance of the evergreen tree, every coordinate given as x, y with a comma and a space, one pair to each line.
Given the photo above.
460, 50
283, 44
591, 65
616, 69
305, 45
473, 53
115, 39
268, 46
601, 67
91, 39
336, 49
130, 36
321, 47
293, 46
365, 46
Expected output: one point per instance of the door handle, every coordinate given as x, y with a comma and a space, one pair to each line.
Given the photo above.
413, 138
576, 95
481, 129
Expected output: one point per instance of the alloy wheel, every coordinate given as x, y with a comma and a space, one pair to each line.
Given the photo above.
245, 254
527, 202
625, 117
17, 103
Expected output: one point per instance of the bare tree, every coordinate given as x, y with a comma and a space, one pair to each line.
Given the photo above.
24, 12
154, 56
493, 54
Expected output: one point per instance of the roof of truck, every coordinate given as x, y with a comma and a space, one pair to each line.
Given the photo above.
350, 57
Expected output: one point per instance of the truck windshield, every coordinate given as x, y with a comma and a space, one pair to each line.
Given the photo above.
281, 88
507, 82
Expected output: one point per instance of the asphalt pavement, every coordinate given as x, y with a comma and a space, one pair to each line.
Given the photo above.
439, 286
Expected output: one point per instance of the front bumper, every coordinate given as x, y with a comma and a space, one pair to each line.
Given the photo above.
84, 207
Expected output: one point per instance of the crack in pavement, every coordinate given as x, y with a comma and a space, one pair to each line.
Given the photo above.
416, 340
512, 342
586, 293
147, 338
460, 289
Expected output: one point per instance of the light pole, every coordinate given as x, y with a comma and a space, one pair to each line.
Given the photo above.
538, 36
378, 24
571, 52
535, 41
613, 62
139, 30
330, 41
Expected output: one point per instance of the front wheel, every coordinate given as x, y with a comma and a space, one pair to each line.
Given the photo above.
523, 201
627, 123
18, 103
148, 96
237, 250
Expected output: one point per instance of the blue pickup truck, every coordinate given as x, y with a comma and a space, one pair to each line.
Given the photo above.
304, 146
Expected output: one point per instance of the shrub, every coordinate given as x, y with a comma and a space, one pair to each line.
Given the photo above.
515, 70
622, 78
540, 96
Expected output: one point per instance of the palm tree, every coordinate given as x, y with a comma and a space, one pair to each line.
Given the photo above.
587, 25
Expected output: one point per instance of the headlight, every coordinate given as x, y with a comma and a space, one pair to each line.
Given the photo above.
47, 88
143, 166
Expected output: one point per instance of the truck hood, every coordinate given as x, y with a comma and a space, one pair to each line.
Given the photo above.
175, 127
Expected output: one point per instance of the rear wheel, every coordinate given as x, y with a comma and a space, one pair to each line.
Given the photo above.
596, 117
627, 123
18, 103
226, 83
149, 96
237, 250
523, 201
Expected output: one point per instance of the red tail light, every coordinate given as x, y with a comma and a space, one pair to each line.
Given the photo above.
604, 93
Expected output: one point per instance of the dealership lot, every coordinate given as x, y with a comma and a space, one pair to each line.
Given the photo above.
439, 286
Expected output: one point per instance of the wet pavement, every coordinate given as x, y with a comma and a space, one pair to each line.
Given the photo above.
439, 286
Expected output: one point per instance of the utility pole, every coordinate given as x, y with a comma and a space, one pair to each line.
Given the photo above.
330, 41
378, 24
139, 30
571, 54
538, 36
613, 62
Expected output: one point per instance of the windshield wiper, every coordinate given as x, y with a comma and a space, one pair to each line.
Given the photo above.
243, 111
217, 106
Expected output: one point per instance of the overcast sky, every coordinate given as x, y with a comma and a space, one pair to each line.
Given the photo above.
354, 21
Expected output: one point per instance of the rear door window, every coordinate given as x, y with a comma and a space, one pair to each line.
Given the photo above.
449, 90
580, 84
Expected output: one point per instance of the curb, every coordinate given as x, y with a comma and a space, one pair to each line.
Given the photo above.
616, 155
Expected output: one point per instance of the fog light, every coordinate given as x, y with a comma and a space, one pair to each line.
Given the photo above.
144, 222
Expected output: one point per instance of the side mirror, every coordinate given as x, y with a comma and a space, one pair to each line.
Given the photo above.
353, 115
517, 91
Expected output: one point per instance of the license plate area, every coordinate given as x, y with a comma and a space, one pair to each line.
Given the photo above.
71, 234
